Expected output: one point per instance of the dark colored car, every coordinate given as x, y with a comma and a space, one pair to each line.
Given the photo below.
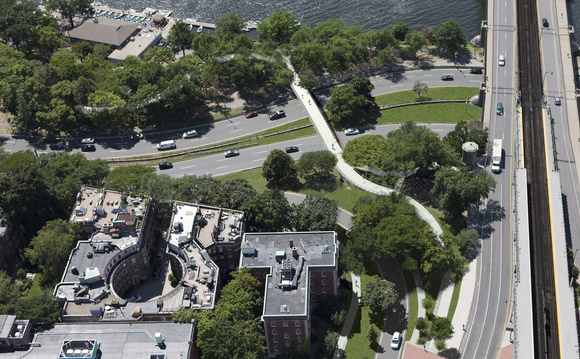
447, 78
88, 148
292, 149
251, 114
545, 22
476, 70
165, 165
278, 114
232, 153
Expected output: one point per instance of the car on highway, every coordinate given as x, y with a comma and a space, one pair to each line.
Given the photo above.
232, 153
447, 78
190, 134
476, 70
88, 141
351, 131
545, 22
251, 114
396, 341
166, 145
499, 109
557, 101
292, 149
278, 114
165, 165
501, 60
134, 298
88, 148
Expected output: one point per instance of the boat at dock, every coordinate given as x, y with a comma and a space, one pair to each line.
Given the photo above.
200, 29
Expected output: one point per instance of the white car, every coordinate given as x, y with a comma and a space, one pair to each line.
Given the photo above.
558, 101
351, 131
501, 60
88, 141
190, 134
396, 341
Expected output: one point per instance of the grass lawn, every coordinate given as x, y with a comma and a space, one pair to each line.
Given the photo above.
35, 288
358, 344
344, 197
454, 299
436, 93
413, 309
431, 113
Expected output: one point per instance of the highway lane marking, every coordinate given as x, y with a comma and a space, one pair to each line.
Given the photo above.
427, 75
505, 36
411, 76
123, 150
222, 167
396, 85
261, 159
223, 159
255, 153
239, 129
186, 167
474, 80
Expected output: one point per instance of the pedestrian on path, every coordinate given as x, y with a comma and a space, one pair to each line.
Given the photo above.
309, 102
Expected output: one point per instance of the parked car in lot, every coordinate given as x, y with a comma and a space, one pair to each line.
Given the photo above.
165, 165
88, 148
396, 341
190, 134
232, 153
251, 114
278, 114
134, 298
545, 22
351, 131
476, 70
292, 149
88, 141
447, 78
557, 101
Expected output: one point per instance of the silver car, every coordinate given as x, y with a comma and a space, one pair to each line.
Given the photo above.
351, 131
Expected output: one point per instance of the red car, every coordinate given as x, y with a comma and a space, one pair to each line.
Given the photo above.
251, 114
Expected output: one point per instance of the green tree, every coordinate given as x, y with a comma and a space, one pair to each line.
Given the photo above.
279, 170
205, 46
82, 49
58, 117
278, 28
39, 309
351, 103
379, 296
180, 37
315, 213
233, 328
457, 189
8, 291
441, 328
416, 41
102, 98
230, 23
372, 335
159, 55
468, 241
449, 36
400, 30
268, 211
83, 88
420, 88
422, 325
467, 131
48, 41
128, 178
368, 150
316, 168
68, 9
330, 342
235, 193
51, 247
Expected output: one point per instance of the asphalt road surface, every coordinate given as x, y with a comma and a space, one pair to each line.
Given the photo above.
253, 157
234, 127
487, 320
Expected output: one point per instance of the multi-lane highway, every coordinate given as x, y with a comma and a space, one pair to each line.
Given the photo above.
237, 126
253, 157
487, 320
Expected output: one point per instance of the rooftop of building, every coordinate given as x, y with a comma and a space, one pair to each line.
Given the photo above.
289, 255
115, 340
10, 327
142, 41
104, 31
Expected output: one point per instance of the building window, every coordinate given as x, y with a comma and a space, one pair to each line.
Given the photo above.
286, 336
276, 348
323, 274
287, 342
272, 324
230, 255
274, 332
296, 323
275, 340
285, 323
324, 290
298, 331
324, 282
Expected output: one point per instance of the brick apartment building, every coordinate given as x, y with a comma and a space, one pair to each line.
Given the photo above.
298, 270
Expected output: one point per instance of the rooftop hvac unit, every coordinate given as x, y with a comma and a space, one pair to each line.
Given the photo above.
158, 339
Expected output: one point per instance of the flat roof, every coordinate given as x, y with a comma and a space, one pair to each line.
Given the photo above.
105, 31
143, 41
6, 323
316, 249
116, 340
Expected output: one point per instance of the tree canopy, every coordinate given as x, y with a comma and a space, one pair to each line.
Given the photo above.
351, 103
368, 150
315, 213
71, 8
449, 36
467, 131
316, 168
279, 170
180, 37
379, 295
268, 211
278, 28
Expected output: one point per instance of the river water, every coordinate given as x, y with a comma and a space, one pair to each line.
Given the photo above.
371, 14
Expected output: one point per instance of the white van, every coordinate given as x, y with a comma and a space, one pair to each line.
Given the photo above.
501, 60
166, 145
